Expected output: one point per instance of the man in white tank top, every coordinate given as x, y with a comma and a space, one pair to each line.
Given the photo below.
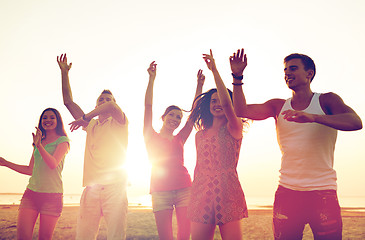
306, 125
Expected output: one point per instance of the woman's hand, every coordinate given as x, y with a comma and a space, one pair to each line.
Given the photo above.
37, 137
152, 70
200, 77
209, 60
62, 62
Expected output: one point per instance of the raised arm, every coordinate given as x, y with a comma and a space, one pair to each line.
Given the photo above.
108, 108
234, 123
338, 115
186, 130
23, 169
52, 161
73, 108
271, 108
147, 126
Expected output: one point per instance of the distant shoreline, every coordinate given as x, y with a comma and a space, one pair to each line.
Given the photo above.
138, 206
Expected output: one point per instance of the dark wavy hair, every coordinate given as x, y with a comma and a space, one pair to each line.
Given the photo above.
307, 62
201, 115
60, 130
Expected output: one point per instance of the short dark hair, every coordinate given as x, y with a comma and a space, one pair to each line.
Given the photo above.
307, 62
106, 91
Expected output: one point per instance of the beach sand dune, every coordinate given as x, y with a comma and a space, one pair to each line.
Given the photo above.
141, 224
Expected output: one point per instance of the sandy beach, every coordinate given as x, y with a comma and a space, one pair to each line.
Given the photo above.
141, 224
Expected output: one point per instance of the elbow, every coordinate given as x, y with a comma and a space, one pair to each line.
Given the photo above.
240, 111
358, 126
53, 166
353, 127
113, 106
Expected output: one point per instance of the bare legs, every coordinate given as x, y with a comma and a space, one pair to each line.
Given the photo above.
26, 221
47, 226
229, 231
183, 223
164, 224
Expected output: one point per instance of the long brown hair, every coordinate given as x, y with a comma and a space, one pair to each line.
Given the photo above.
60, 130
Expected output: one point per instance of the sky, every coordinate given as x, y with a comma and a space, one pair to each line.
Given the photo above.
111, 44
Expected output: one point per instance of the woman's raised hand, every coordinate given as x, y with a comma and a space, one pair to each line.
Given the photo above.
152, 69
37, 137
62, 62
209, 60
200, 77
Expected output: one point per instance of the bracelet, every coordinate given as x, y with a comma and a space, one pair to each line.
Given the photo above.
237, 77
237, 84
83, 118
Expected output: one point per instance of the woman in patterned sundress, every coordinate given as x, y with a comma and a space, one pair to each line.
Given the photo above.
216, 195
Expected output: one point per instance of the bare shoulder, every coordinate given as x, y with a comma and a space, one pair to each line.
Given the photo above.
198, 135
331, 103
329, 96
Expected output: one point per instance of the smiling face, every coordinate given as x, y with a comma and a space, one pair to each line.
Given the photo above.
215, 106
172, 119
49, 120
295, 74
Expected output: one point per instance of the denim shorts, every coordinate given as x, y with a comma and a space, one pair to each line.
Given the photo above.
167, 200
44, 203
294, 209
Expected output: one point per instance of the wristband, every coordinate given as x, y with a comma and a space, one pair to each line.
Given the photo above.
237, 77
237, 84
83, 118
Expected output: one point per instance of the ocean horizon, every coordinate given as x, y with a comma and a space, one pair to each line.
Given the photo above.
348, 202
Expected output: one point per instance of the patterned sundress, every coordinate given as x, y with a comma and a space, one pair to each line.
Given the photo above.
216, 194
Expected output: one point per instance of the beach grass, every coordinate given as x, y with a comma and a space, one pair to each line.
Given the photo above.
141, 224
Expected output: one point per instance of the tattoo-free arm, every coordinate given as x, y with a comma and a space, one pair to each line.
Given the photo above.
23, 169
338, 115
186, 130
73, 108
234, 123
52, 161
147, 125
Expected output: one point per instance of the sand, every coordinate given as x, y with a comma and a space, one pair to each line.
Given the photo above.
141, 224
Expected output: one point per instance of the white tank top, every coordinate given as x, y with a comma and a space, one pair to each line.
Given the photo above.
307, 151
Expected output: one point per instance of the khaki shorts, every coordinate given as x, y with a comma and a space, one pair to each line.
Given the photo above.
167, 200
108, 201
